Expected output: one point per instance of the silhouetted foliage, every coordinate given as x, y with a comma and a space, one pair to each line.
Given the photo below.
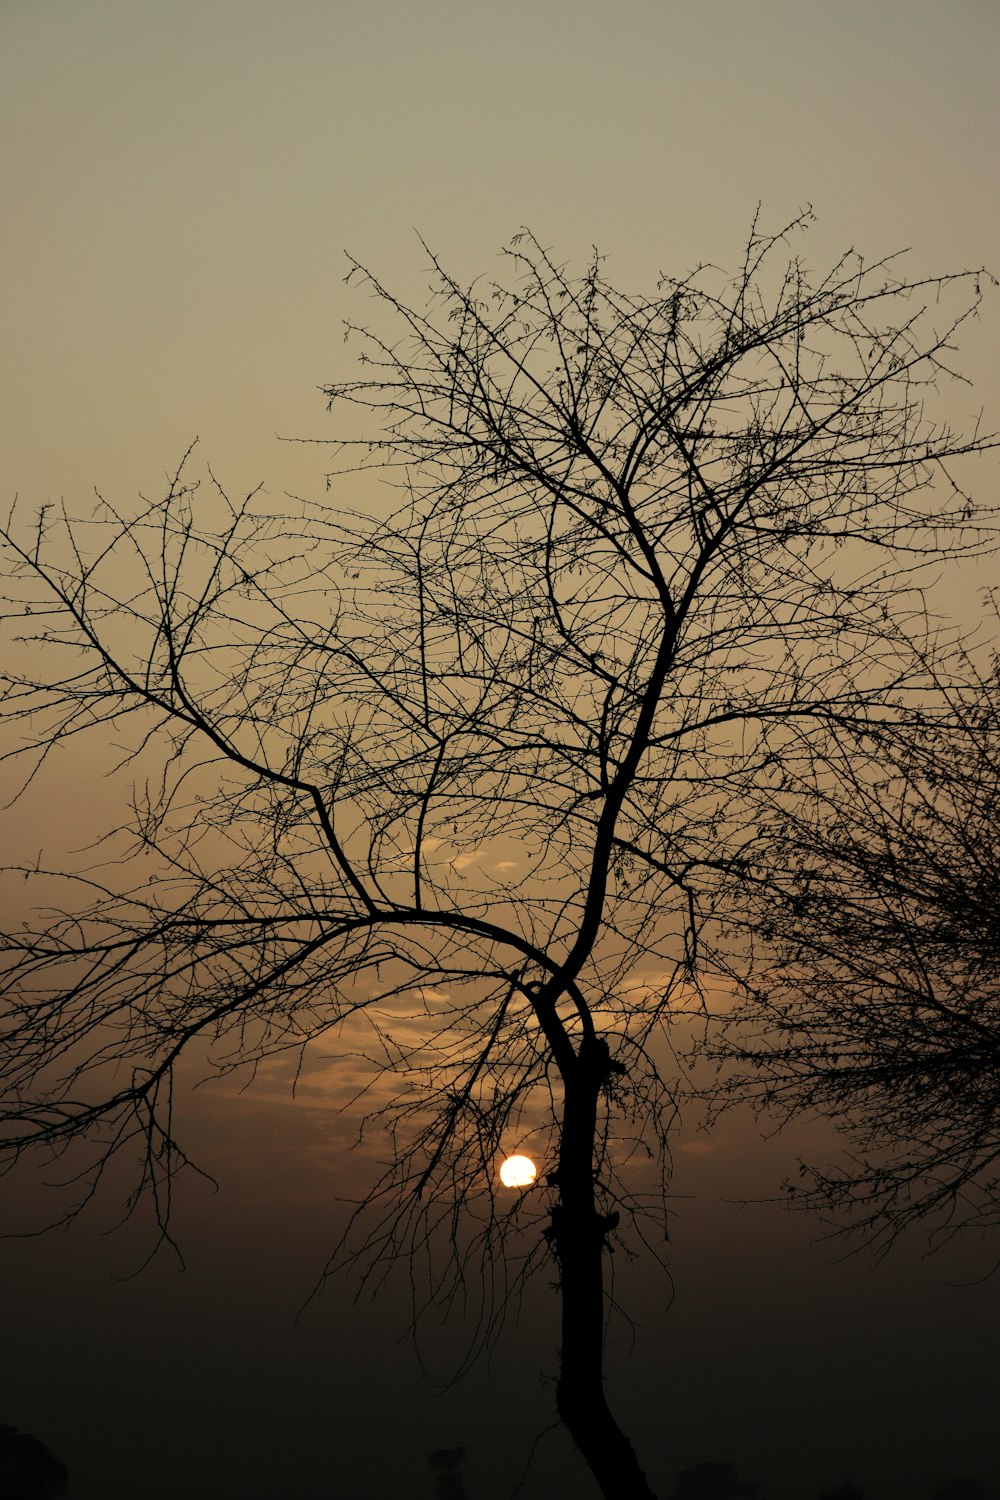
846, 1491
963, 1489
875, 997
462, 793
714, 1481
445, 1464
28, 1471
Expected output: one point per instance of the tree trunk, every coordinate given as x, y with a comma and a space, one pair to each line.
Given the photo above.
579, 1233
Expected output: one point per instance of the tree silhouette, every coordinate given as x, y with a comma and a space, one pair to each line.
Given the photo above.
462, 792
445, 1464
714, 1481
876, 996
28, 1471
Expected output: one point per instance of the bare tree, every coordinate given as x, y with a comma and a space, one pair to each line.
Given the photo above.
875, 996
458, 792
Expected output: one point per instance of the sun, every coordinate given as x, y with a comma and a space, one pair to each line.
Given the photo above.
518, 1171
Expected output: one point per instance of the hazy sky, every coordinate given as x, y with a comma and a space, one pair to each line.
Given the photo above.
181, 179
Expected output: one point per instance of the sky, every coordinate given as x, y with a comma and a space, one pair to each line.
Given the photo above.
181, 182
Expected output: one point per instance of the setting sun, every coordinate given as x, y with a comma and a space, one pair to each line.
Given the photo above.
518, 1171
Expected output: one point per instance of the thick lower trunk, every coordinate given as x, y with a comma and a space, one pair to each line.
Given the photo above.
579, 1234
